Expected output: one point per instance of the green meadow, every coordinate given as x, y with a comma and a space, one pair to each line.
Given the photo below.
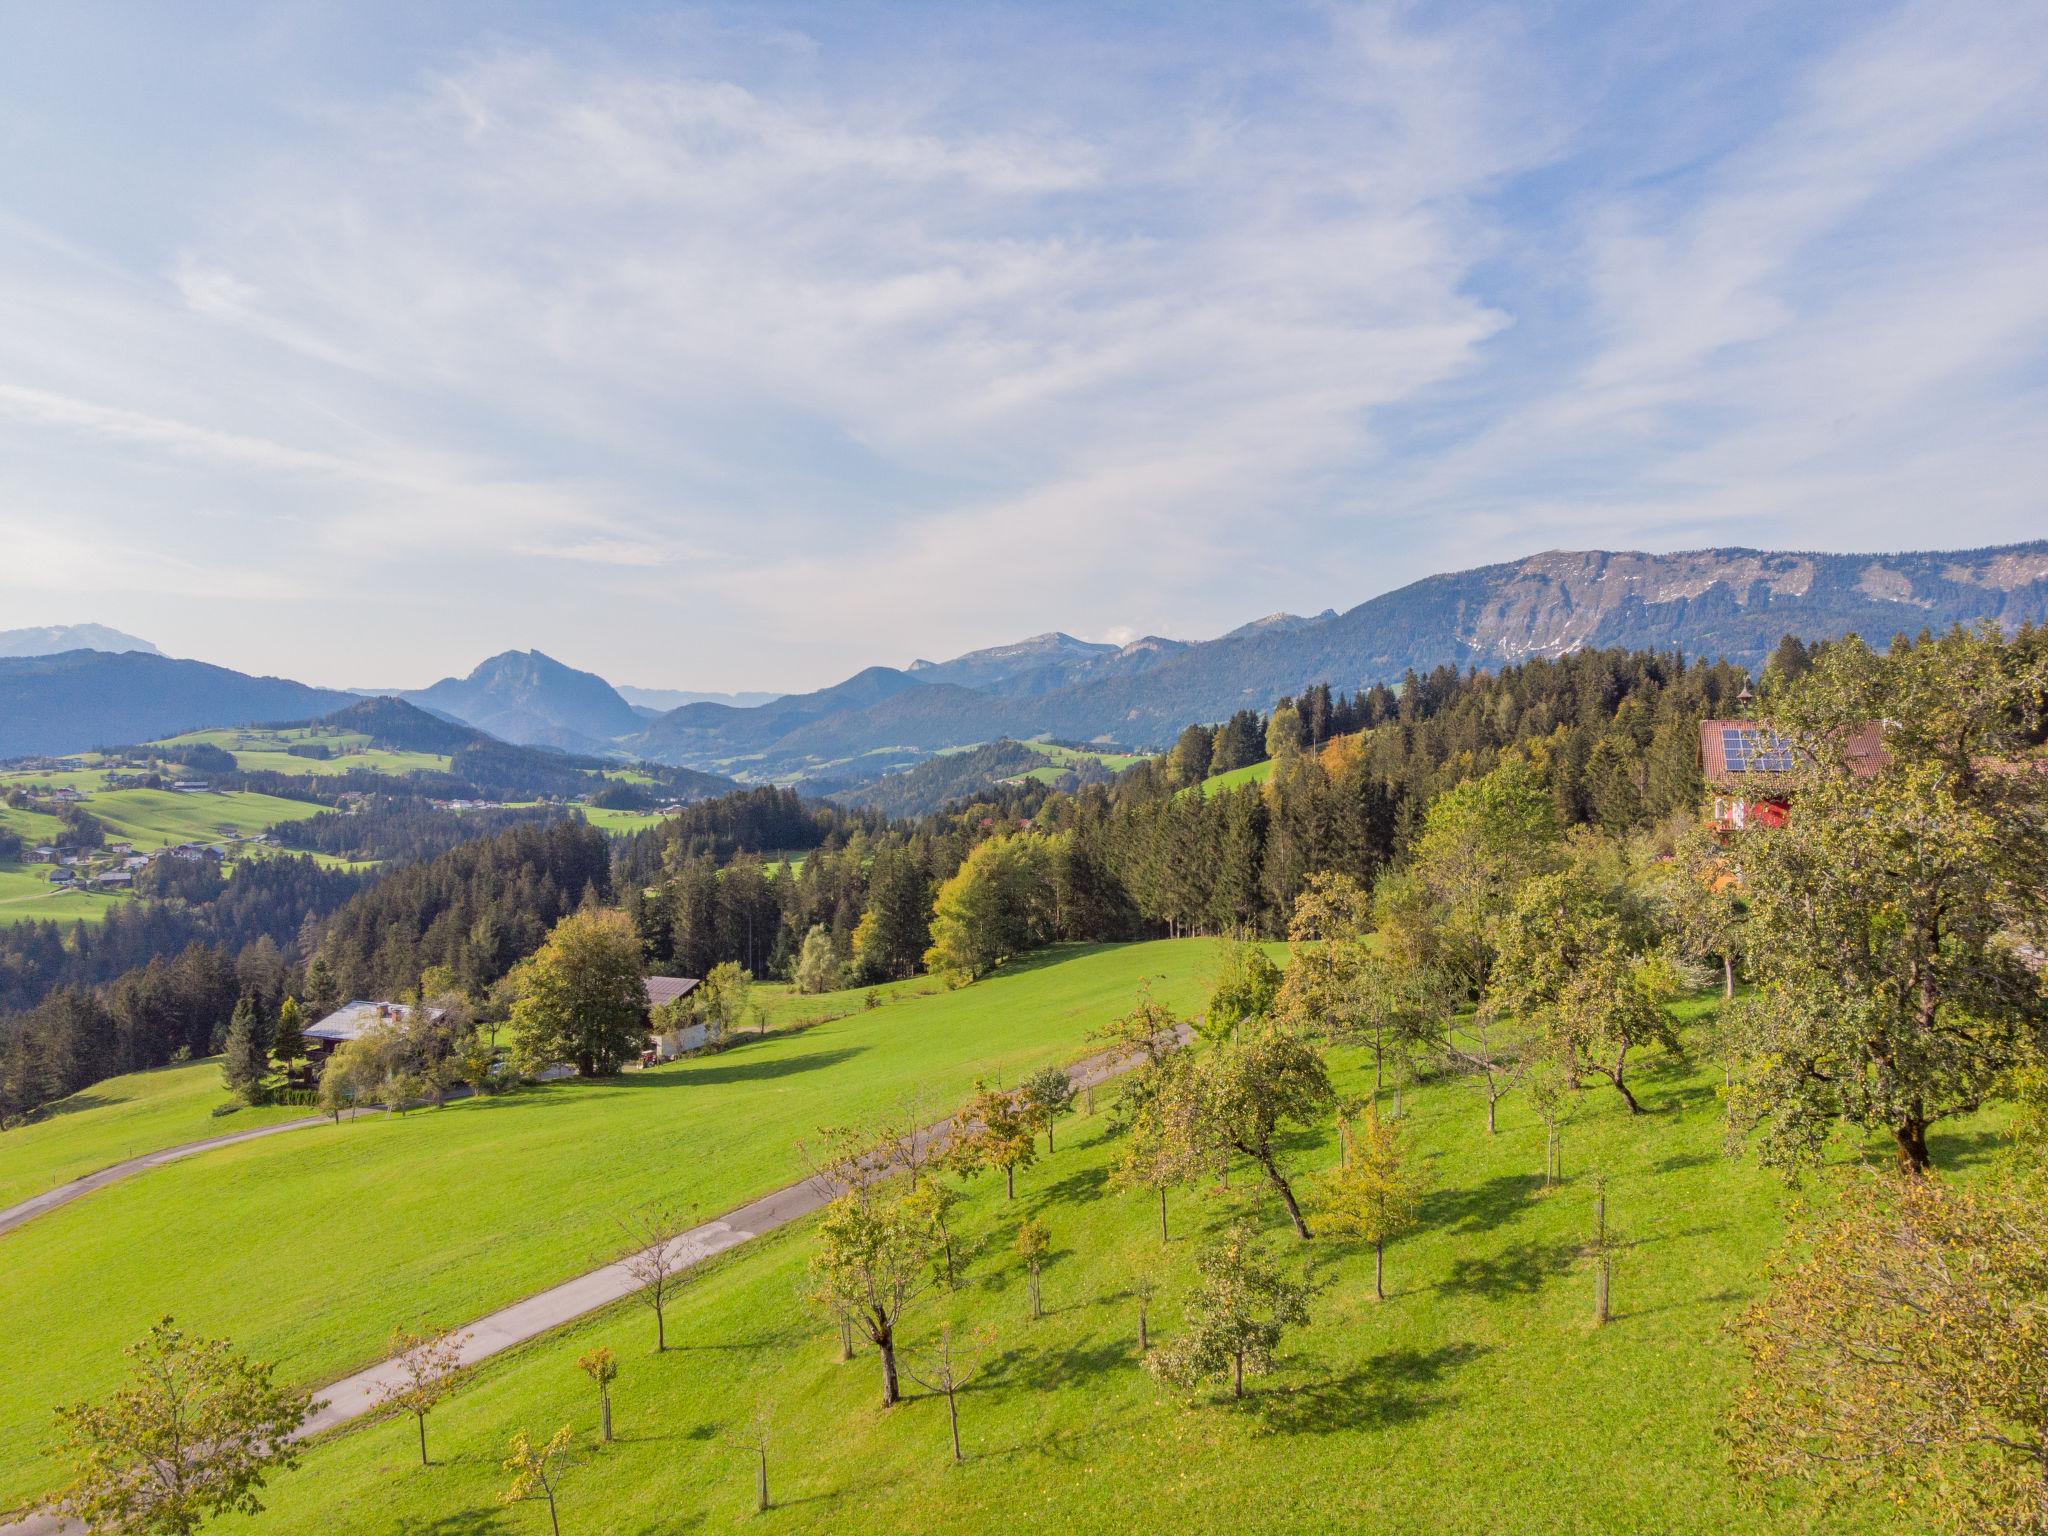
156, 818
1236, 778
258, 750
120, 1118
26, 895
309, 1248
1477, 1397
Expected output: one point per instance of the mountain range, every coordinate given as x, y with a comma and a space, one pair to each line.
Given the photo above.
81, 699
55, 639
1733, 603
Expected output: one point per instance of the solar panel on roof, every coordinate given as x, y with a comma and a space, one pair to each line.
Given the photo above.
1755, 751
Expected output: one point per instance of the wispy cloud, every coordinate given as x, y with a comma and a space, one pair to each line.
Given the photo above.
778, 352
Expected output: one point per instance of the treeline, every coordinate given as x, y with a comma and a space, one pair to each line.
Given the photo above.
472, 912
182, 904
757, 821
402, 830
1610, 735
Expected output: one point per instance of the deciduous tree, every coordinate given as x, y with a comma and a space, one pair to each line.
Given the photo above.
425, 1368
538, 1471
993, 1129
1047, 1094
998, 904
1032, 1243
1246, 1090
657, 1262
1245, 991
946, 1366
193, 1436
602, 1367
872, 1264
1889, 917
1376, 1193
817, 967
580, 997
1234, 1320
1901, 1345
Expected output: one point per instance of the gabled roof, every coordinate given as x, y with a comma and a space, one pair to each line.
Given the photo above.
666, 989
1743, 752
1730, 747
351, 1020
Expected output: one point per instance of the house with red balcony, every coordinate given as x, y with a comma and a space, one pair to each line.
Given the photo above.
1751, 770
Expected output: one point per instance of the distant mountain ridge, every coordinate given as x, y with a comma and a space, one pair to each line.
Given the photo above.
82, 699
659, 701
1734, 603
530, 699
55, 639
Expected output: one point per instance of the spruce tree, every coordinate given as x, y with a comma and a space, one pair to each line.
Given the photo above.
246, 1051
290, 1044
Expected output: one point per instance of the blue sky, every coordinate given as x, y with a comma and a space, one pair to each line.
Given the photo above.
742, 347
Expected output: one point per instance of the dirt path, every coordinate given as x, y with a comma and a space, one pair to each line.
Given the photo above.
354, 1396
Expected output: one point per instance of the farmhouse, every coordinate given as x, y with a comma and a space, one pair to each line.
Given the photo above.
349, 1022
675, 1042
1750, 769
191, 786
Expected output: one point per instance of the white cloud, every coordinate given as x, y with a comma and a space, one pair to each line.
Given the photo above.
766, 351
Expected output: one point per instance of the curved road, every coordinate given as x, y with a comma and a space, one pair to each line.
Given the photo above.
353, 1396
113, 1173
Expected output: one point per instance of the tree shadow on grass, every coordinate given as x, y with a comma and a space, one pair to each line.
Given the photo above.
1081, 1184
745, 1071
1037, 1370
1480, 1207
673, 1521
1517, 1270
1721, 1298
1962, 1149
1679, 1162
1394, 1388
463, 1522
72, 1105
1075, 1446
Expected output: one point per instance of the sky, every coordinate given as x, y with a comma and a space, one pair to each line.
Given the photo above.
742, 347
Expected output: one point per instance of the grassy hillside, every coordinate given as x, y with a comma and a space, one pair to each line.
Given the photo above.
121, 1118
1250, 773
1478, 1397
309, 1248
155, 818
26, 895
258, 750
148, 818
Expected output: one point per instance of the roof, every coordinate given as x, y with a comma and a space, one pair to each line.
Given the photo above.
1730, 747
352, 1020
1742, 751
666, 989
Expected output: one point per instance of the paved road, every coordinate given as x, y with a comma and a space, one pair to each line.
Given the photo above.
50, 1199
353, 1396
